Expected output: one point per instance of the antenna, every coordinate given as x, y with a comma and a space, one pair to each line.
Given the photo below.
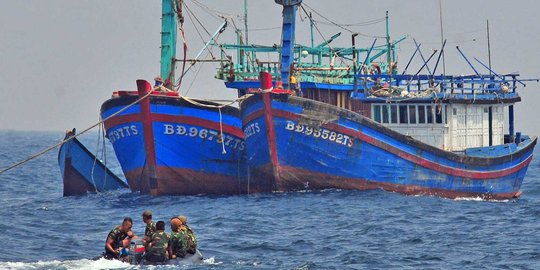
442, 35
489, 46
246, 21
388, 50
312, 36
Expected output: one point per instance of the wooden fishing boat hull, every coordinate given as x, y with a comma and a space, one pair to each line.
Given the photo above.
82, 172
191, 154
294, 143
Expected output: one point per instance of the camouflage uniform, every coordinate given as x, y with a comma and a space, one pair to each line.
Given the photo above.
150, 229
191, 240
117, 236
158, 251
178, 243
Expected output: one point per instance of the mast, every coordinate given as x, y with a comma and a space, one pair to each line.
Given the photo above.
168, 41
312, 36
442, 36
488, 46
287, 38
388, 49
246, 21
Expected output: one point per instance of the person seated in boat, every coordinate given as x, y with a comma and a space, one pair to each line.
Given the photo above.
150, 225
158, 81
70, 133
118, 238
191, 240
178, 240
156, 249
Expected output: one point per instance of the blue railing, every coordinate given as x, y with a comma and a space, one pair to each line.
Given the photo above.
462, 84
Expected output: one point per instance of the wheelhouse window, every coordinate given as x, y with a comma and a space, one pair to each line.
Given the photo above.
412, 114
377, 113
429, 113
385, 114
403, 115
393, 114
421, 114
439, 114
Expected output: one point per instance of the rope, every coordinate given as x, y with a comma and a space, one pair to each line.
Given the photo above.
103, 152
221, 132
95, 158
321, 34
215, 13
180, 17
40, 153
336, 24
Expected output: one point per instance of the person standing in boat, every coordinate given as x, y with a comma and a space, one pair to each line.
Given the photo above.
150, 225
118, 238
157, 247
190, 235
178, 240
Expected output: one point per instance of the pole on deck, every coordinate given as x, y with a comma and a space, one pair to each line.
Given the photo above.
246, 21
168, 42
468, 62
287, 39
443, 41
353, 37
488, 46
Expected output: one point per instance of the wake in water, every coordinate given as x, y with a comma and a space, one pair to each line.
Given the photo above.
86, 264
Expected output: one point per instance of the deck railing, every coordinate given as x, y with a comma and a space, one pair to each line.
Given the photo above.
461, 84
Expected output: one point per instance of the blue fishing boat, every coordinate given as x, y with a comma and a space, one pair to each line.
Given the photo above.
82, 172
364, 126
168, 144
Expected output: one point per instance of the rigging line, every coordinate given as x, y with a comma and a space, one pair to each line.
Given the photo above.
251, 61
264, 29
180, 18
104, 151
95, 158
213, 15
40, 153
209, 48
220, 14
209, 52
179, 80
367, 23
206, 30
200, 23
196, 28
322, 36
195, 77
338, 25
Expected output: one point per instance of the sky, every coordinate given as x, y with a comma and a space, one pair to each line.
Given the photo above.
61, 59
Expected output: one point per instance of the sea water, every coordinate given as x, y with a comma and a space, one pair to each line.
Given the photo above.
329, 229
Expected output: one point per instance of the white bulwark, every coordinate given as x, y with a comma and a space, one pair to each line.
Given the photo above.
452, 127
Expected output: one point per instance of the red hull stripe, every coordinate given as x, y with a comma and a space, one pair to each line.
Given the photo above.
271, 133
480, 175
364, 184
188, 120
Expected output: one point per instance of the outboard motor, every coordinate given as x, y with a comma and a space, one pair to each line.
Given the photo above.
136, 251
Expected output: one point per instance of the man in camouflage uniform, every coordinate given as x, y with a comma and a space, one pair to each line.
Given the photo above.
178, 241
118, 238
156, 250
150, 225
191, 240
